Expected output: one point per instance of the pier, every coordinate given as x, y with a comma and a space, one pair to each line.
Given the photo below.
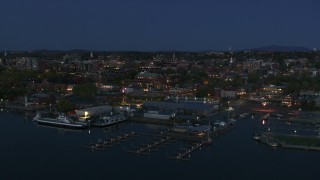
101, 144
187, 151
146, 148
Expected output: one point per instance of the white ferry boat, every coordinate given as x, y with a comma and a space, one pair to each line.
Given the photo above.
61, 120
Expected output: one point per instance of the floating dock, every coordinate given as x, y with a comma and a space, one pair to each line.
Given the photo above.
188, 151
146, 148
101, 144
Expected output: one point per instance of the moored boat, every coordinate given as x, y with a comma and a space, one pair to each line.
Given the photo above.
104, 121
207, 142
256, 136
61, 120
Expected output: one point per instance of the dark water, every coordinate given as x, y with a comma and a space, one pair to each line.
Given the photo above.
28, 151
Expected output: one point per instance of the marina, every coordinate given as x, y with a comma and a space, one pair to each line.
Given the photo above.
195, 136
44, 145
149, 142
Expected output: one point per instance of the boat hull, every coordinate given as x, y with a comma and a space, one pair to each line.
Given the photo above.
107, 124
61, 124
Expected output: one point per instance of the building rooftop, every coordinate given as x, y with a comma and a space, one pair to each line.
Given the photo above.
148, 74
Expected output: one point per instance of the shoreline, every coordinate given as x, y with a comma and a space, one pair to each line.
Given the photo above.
310, 143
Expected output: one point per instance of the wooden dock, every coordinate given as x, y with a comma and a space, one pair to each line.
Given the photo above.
146, 148
187, 151
102, 143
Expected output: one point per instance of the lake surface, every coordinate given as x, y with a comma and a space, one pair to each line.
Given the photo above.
29, 151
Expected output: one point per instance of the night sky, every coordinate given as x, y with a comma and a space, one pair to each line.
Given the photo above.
152, 25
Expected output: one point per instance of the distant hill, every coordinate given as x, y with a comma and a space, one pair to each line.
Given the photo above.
276, 48
60, 51
272, 48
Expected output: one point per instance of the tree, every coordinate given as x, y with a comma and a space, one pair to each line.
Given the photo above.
294, 87
253, 77
305, 85
85, 90
65, 105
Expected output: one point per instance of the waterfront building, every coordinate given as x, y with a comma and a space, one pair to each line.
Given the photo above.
191, 99
159, 115
272, 92
98, 110
200, 109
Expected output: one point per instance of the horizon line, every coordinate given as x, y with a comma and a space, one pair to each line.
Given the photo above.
261, 48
